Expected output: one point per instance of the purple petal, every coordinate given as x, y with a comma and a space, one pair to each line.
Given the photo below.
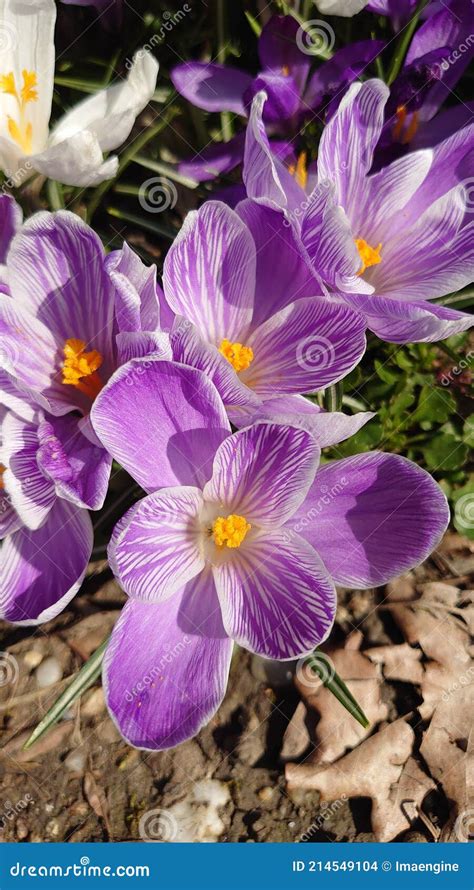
209, 272
305, 347
136, 291
326, 427
166, 667
11, 216
276, 596
31, 494
279, 260
443, 125
79, 469
333, 76
138, 344
372, 517
263, 473
211, 86
349, 140
401, 321
42, 570
214, 159
283, 96
171, 435
56, 270
278, 49
327, 237
266, 179
154, 550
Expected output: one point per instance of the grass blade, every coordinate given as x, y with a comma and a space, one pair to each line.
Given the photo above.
85, 678
323, 667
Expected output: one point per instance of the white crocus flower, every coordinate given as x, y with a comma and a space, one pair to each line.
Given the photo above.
72, 152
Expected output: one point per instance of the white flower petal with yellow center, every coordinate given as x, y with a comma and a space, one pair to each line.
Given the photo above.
73, 152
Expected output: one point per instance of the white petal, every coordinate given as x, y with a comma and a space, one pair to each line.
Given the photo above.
77, 160
27, 30
346, 8
111, 113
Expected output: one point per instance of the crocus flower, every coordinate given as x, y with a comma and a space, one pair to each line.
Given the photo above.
109, 12
388, 242
246, 310
70, 317
294, 91
345, 8
238, 539
50, 475
72, 152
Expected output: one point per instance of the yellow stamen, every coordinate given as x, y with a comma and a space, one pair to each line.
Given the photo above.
2, 470
370, 256
28, 92
399, 132
21, 130
285, 71
237, 355
80, 368
230, 531
300, 170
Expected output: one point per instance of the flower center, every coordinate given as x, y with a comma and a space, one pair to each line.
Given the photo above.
21, 131
285, 70
300, 170
370, 256
80, 368
401, 133
237, 355
230, 531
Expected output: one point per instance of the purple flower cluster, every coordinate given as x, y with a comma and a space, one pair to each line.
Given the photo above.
197, 387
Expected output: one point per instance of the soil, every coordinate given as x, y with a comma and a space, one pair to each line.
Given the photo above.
82, 782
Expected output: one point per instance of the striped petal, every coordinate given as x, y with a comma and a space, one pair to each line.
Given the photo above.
31, 493
276, 596
263, 473
209, 272
154, 548
41, 571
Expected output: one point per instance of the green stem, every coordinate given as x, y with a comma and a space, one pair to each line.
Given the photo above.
55, 195
87, 675
128, 156
226, 122
449, 352
333, 397
403, 43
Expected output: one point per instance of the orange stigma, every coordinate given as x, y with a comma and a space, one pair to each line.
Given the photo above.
80, 368
2, 470
370, 256
21, 130
300, 170
400, 132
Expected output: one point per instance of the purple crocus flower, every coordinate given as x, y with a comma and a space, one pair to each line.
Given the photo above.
109, 12
295, 93
71, 316
246, 313
238, 539
388, 242
50, 475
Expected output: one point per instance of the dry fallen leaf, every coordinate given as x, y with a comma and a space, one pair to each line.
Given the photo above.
96, 799
382, 769
398, 662
337, 731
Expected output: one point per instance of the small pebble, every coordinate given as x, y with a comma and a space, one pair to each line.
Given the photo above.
265, 793
49, 671
75, 761
32, 659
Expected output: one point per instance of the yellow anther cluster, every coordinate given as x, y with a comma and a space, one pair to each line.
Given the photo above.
237, 355
370, 256
80, 367
230, 531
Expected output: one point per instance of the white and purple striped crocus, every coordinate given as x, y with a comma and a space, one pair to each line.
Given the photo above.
50, 476
387, 242
242, 305
239, 538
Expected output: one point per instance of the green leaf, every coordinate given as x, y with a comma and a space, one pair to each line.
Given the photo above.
384, 372
468, 431
86, 677
403, 43
445, 453
255, 26
333, 397
324, 668
434, 405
